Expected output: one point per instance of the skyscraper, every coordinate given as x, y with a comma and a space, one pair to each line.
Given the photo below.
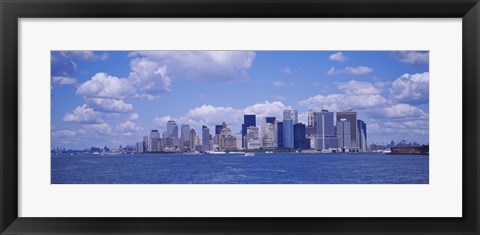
172, 132
269, 137
325, 130
252, 138
311, 129
248, 121
145, 144
288, 133
280, 135
192, 139
351, 117
299, 140
291, 115
205, 138
218, 128
238, 137
362, 135
310, 118
172, 129
155, 145
184, 136
344, 134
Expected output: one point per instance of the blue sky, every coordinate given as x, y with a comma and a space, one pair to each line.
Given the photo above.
115, 97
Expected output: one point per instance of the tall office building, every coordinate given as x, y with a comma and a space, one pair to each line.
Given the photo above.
280, 135
252, 138
291, 115
218, 128
288, 133
145, 144
238, 139
224, 133
344, 134
192, 137
351, 117
138, 147
299, 140
248, 121
362, 135
172, 129
205, 138
229, 143
269, 138
184, 137
310, 120
310, 129
325, 130
172, 132
155, 144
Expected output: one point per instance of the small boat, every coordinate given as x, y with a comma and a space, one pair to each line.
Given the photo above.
249, 154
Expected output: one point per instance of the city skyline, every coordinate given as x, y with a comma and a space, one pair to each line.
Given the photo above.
115, 98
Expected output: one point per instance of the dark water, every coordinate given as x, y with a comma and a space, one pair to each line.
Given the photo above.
238, 169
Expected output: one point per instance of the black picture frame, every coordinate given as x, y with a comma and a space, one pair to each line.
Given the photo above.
12, 10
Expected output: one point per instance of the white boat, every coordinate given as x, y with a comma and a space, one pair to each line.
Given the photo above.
249, 154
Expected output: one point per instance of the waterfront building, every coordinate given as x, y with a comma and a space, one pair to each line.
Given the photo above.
325, 130
230, 143
192, 139
362, 135
145, 144
138, 147
291, 115
184, 137
351, 117
344, 134
154, 139
248, 121
223, 134
205, 138
280, 135
238, 137
252, 138
155, 143
310, 121
299, 140
288, 133
218, 128
172, 132
269, 138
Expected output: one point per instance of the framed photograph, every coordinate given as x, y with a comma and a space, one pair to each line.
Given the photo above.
239, 117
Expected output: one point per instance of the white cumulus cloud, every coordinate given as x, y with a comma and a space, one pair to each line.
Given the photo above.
83, 114
110, 105
411, 88
411, 57
211, 66
62, 80
339, 56
402, 111
133, 117
86, 55
63, 133
340, 102
359, 70
150, 77
102, 85
354, 87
